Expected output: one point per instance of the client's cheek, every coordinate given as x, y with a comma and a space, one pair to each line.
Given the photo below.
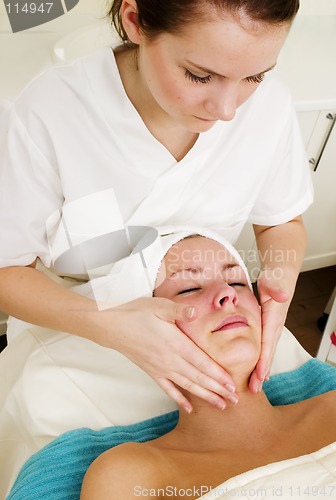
187, 327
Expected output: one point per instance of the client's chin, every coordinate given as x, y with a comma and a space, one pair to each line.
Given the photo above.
238, 357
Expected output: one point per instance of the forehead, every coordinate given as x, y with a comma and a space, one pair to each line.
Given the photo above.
229, 47
198, 250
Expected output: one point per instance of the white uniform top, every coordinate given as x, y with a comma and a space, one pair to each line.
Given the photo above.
74, 136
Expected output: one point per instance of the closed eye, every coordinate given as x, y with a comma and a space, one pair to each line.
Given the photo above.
189, 290
237, 284
197, 79
255, 79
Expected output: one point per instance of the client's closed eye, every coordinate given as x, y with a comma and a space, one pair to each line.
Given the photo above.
237, 284
188, 290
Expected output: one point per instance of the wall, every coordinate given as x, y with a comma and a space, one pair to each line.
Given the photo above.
319, 7
323, 7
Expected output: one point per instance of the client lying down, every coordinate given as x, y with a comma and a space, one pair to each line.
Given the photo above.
209, 446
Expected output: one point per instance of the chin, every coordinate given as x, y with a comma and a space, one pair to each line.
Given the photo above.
200, 126
193, 124
242, 355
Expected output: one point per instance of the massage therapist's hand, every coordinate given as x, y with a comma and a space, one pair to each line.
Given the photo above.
146, 333
274, 301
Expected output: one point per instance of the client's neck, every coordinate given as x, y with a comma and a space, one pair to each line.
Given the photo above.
209, 428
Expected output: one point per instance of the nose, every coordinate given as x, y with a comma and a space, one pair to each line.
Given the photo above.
225, 295
223, 102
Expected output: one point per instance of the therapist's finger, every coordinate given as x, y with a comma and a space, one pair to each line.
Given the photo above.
261, 371
273, 318
198, 375
190, 368
202, 369
172, 389
175, 394
271, 288
171, 311
255, 384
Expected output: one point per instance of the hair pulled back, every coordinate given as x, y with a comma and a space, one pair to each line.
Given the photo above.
156, 17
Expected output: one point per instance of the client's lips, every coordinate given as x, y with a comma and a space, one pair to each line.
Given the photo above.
234, 321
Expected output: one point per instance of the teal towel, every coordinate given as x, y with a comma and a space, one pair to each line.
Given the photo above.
56, 472
311, 379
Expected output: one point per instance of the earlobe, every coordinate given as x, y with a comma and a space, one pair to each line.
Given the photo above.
130, 20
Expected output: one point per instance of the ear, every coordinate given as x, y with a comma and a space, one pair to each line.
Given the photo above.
130, 20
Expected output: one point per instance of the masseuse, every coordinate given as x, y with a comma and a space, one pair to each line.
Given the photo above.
186, 122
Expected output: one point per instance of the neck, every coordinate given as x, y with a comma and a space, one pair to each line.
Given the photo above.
253, 419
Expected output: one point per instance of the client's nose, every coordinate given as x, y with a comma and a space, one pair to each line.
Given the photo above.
225, 294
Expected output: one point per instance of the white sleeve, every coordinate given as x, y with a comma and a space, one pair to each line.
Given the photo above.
30, 190
287, 190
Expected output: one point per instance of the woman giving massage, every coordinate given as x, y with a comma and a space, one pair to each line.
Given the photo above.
209, 446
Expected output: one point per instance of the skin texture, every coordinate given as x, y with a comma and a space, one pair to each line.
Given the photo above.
209, 446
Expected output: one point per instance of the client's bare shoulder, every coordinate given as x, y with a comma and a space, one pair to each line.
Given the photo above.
323, 407
125, 471
315, 417
327, 404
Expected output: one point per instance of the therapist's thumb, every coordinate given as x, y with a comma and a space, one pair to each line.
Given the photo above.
184, 313
177, 312
268, 287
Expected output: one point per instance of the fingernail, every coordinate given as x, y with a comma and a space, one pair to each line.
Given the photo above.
190, 312
230, 387
233, 399
188, 409
257, 387
221, 405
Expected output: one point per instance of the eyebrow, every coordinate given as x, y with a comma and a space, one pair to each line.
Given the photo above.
225, 267
209, 71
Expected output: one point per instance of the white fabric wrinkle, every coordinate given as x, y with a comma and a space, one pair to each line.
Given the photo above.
66, 372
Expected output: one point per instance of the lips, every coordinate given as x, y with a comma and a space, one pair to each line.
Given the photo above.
234, 321
206, 119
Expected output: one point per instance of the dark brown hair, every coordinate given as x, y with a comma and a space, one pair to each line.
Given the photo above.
171, 16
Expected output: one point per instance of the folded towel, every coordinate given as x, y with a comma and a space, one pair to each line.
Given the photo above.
56, 472
311, 379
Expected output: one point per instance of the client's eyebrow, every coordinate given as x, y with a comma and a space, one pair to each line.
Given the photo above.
199, 269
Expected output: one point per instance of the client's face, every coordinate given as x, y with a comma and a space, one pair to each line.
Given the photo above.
202, 273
